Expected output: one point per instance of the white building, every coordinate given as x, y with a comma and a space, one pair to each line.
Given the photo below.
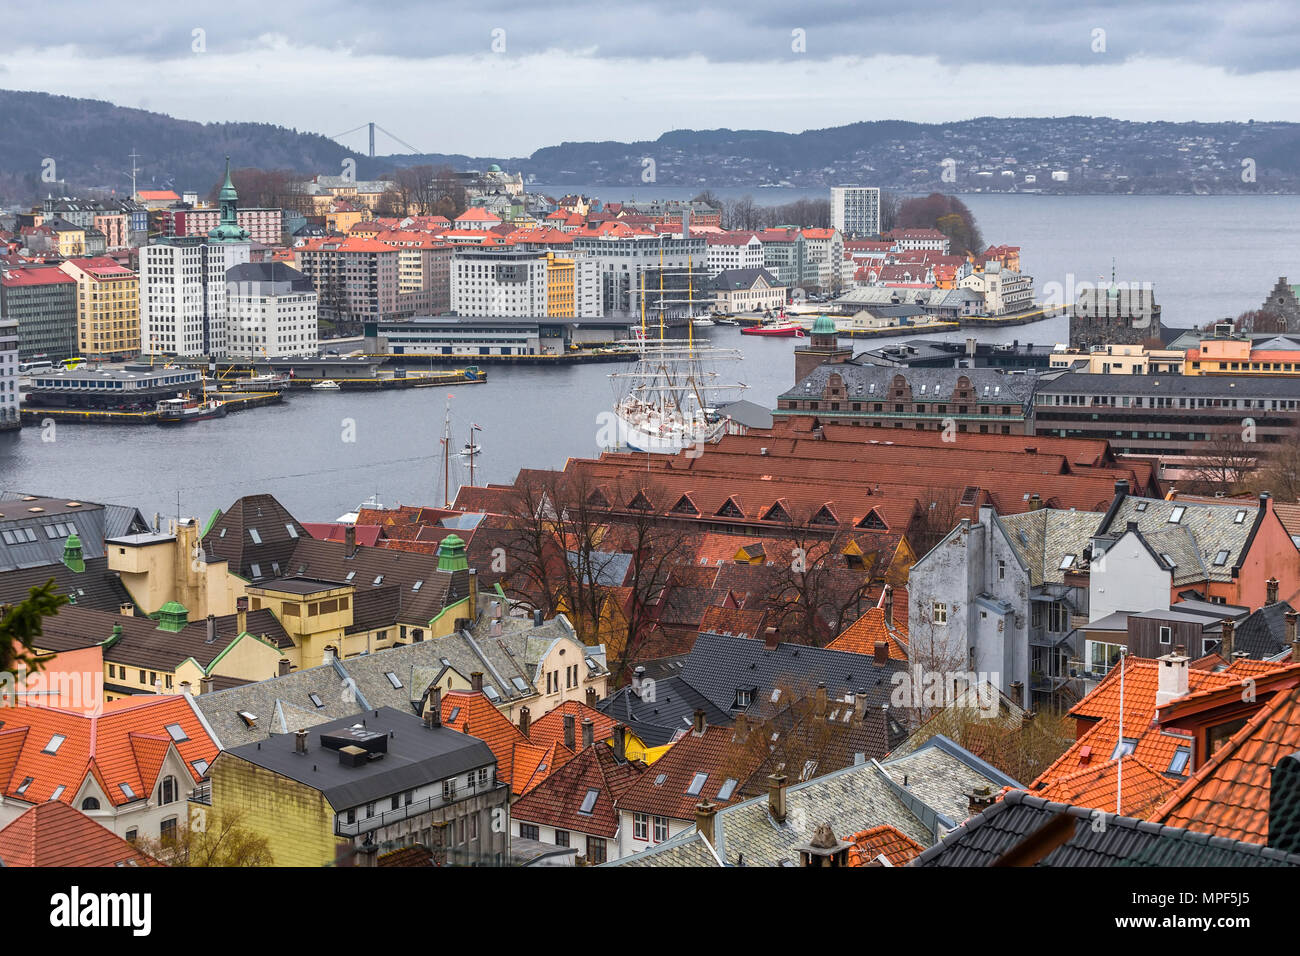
270, 312
183, 294
9, 417
733, 250
588, 295
623, 260
855, 210
1004, 291
499, 282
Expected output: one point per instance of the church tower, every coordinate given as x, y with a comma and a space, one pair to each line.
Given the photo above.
823, 346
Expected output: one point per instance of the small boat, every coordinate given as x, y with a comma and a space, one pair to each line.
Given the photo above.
178, 411
328, 385
784, 329
468, 450
268, 382
725, 320
703, 322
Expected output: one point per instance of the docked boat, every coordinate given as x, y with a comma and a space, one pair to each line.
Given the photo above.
328, 385
724, 320
178, 411
781, 328
267, 382
703, 322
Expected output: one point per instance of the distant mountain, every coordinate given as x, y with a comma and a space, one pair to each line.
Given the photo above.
90, 142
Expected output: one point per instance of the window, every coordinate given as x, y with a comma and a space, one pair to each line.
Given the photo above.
595, 850
1066, 562
661, 829
90, 803
1176, 515
22, 787
256, 569
315, 699
293, 532
727, 789
939, 613
1240, 517
58, 792
392, 679
1166, 634
168, 791
483, 776
641, 826
1221, 559
257, 538
177, 733
1123, 748
200, 767
1102, 656
449, 790
132, 834
1058, 617
1181, 758
167, 830
561, 837
528, 831
744, 697
53, 746
697, 784
127, 791
1002, 570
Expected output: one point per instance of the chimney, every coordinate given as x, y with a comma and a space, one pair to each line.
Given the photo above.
241, 615
1291, 636
570, 724
588, 732
1225, 645
496, 609
741, 727
881, 653
1121, 489
205, 684
476, 681
330, 653
537, 618
212, 628
638, 681
700, 723
1271, 584
771, 638
819, 700
300, 741
433, 714
186, 687
776, 796
525, 720
1018, 692
860, 704
620, 741
350, 540
889, 605
705, 815
494, 629
1035, 503
980, 799
1173, 677
591, 697
285, 664
1031, 449
126, 609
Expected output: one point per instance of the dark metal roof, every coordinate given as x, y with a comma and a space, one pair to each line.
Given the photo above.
1100, 839
1197, 386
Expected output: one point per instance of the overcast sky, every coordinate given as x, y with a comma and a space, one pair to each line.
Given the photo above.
632, 69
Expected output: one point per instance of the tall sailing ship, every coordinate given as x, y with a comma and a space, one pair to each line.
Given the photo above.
669, 401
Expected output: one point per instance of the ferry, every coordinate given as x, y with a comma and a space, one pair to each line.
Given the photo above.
785, 329
178, 411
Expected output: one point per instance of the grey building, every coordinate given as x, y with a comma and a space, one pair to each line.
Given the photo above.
43, 301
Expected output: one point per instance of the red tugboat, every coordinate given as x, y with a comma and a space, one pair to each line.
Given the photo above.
785, 328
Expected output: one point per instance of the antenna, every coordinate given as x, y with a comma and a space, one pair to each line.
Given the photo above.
1119, 764
134, 157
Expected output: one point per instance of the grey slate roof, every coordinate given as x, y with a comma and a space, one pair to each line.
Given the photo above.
416, 756
1123, 841
1263, 634
942, 773
1043, 538
280, 705
1203, 530
93, 523
853, 799
95, 588
1248, 388
731, 279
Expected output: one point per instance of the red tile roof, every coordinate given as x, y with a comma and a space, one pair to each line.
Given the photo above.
54, 834
662, 791
898, 848
558, 801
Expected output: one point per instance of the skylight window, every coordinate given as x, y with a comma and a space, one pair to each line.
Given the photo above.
697, 784
589, 802
53, 746
200, 767
257, 538
1124, 748
1240, 516
248, 719
256, 569
1169, 561
455, 712
1181, 758
393, 679
1066, 562
379, 579
727, 789
659, 780
350, 575
520, 684
177, 733
1176, 515
127, 791
417, 585
491, 693
1221, 558
315, 699
1141, 506
27, 782
293, 532
58, 792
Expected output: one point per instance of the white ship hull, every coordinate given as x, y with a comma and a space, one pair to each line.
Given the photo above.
642, 431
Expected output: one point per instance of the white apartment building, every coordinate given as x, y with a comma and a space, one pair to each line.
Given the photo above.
270, 312
588, 297
733, 250
1004, 291
183, 294
855, 210
622, 262
499, 283
9, 415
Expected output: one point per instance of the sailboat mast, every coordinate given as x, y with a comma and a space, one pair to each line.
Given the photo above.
690, 306
446, 457
470, 448
661, 287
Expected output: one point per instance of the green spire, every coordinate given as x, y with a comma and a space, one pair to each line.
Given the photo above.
173, 617
824, 325
229, 229
451, 554
228, 188
72, 556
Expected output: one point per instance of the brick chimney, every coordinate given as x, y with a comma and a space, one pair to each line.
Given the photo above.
241, 615
1291, 638
283, 667
980, 799
1173, 677
433, 714
588, 732
860, 704
350, 539
620, 742
819, 700
881, 653
776, 796
187, 687
1271, 585
700, 724
591, 697
638, 681
705, 816
525, 720
300, 741
570, 735
205, 684
476, 681
1225, 644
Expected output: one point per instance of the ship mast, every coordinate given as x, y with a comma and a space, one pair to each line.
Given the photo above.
446, 457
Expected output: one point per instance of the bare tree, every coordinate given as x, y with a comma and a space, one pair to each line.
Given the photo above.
1277, 469
223, 842
1224, 463
937, 511
815, 594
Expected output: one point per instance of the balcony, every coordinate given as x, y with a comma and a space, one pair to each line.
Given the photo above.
389, 817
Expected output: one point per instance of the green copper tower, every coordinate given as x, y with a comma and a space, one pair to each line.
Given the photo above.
229, 229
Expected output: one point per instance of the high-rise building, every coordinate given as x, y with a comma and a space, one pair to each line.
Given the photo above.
183, 284
9, 415
503, 282
43, 301
855, 210
270, 312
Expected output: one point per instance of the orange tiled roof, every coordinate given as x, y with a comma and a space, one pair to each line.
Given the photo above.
662, 792
470, 712
549, 728
54, 834
1144, 787
558, 801
1229, 795
898, 848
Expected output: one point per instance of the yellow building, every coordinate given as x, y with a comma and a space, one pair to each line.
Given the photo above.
1122, 359
1240, 356
158, 568
559, 287
108, 308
